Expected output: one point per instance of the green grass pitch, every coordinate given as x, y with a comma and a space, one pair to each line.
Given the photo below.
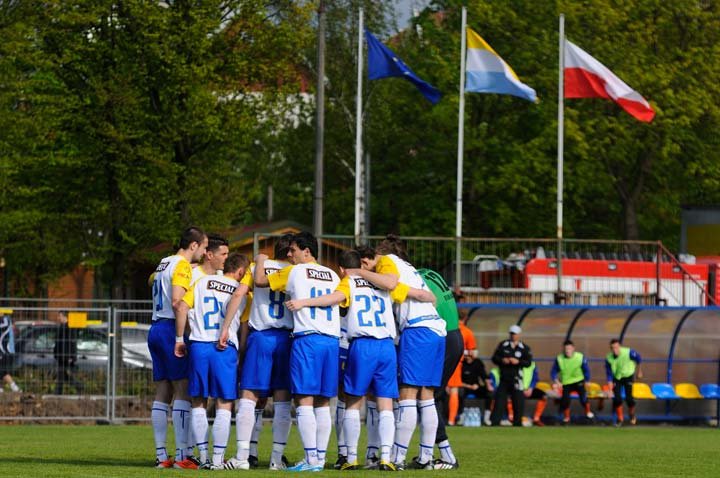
124, 451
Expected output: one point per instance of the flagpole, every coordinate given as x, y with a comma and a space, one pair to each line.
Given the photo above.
461, 140
358, 130
561, 134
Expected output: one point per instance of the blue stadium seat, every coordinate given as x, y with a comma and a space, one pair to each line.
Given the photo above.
664, 391
710, 390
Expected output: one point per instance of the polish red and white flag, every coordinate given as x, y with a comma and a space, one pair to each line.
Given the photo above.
585, 77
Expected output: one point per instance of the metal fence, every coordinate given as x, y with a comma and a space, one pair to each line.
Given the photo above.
529, 271
97, 370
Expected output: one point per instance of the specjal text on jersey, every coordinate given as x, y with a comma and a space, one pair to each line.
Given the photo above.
162, 266
319, 275
360, 282
221, 287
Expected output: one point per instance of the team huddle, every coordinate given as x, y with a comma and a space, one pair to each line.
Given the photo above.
288, 327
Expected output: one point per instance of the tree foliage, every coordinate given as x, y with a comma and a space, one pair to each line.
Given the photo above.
123, 121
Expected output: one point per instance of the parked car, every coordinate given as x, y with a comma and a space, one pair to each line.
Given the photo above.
34, 347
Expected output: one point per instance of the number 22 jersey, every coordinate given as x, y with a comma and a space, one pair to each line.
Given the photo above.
208, 300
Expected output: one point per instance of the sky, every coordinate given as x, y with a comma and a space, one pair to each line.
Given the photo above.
404, 10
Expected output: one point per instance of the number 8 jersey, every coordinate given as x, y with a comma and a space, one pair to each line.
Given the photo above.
208, 298
369, 312
268, 306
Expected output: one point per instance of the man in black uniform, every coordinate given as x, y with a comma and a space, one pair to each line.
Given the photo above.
511, 356
65, 353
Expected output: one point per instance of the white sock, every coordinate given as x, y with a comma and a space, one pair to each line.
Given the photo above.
159, 418
446, 453
200, 429
405, 422
221, 434
339, 428
351, 425
428, 429
181, 425
244, 423
324, 429
257, 429
307, 426
280, 429
386, 432
372, 423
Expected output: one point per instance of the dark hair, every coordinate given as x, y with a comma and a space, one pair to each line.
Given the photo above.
305, 240
190, 235
216, 241
234, 262
568, 342
614, 341
282, 245
350, 260
366, 252
392, 245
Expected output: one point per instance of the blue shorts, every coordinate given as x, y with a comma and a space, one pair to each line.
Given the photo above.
342, 364
161, 342
314, 365
421, 357
267, 361
371, 367
213, 372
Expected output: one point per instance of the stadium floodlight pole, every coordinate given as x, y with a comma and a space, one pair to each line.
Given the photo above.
561, 133
319, 124
461, 139
358, 132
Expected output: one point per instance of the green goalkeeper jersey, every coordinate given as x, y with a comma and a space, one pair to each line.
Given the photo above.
446, 306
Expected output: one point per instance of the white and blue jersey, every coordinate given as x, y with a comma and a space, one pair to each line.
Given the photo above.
411, 312
421, 349
315, 351
213, 372
371, 364
266, 366
268, 309
172, 271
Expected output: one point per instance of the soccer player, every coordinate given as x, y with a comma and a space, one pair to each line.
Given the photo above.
213, 261
511, 356
170, 282
421, 352
455, 342
315, 349
266, 365
571, 372
620, 366
213, 371
372, 360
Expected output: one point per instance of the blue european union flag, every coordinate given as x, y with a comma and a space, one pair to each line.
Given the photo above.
384, 63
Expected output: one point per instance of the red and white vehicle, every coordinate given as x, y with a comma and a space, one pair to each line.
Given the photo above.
672, 283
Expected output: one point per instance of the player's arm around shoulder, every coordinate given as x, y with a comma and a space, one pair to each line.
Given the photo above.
326, 300
420, 295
